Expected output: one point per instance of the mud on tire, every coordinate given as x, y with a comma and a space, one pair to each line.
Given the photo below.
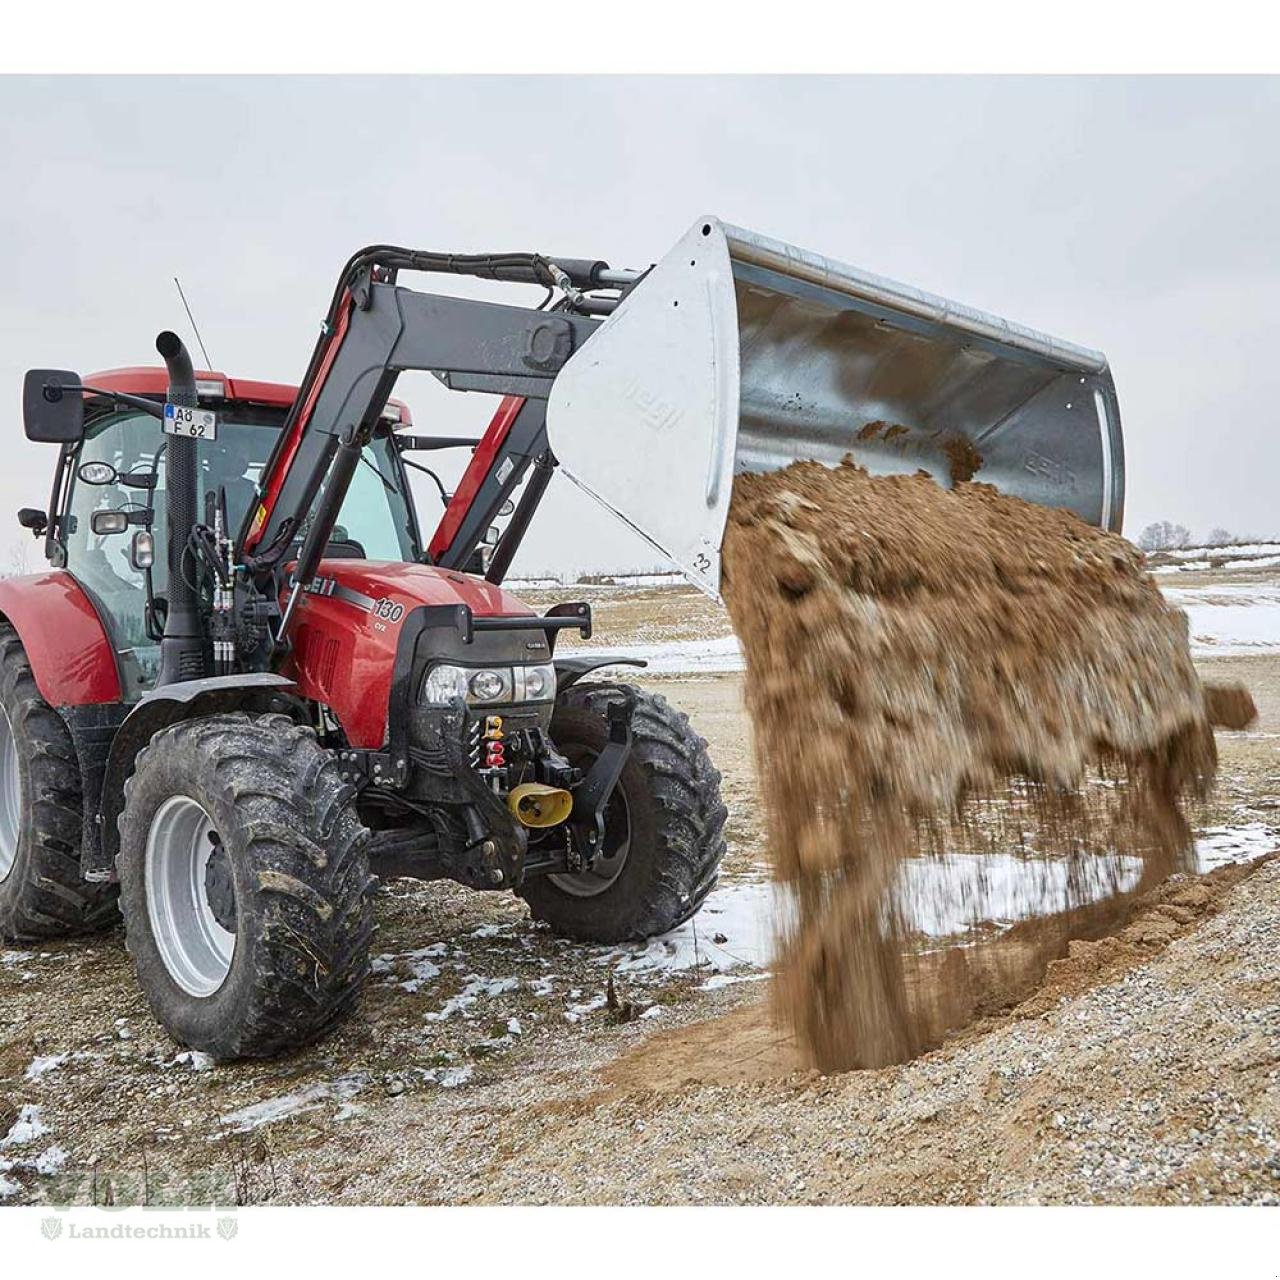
42, 895
294, 861
672, 805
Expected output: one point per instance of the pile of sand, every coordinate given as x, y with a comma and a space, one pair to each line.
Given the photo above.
934, 672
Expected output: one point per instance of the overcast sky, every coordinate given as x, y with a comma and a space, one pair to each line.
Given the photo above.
1140, 216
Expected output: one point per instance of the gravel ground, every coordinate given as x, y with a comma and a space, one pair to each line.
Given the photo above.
486, 1065
1161, 1085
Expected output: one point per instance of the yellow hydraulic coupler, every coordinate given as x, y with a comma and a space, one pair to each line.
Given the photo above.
536, 805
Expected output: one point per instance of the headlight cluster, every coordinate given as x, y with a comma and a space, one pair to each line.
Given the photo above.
480, 686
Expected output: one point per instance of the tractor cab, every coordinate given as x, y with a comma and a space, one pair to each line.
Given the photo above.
108, 512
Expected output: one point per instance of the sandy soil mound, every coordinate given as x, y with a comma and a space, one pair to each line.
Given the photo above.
935, 671
750, 1045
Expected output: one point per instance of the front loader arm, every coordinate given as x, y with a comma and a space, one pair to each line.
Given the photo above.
377, 330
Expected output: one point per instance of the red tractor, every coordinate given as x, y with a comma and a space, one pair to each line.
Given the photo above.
247, 684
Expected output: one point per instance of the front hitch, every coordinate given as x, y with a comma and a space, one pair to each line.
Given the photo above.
491, 828
591, 796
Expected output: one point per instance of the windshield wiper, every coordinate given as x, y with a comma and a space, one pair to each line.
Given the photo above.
391, 488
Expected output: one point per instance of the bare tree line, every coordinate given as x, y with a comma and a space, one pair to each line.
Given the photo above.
1165, 535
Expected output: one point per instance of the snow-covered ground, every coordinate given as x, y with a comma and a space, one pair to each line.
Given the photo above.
686, 657
1248, 552
1231, 619
1194, 566
16, 1155
1234, 618
941, 897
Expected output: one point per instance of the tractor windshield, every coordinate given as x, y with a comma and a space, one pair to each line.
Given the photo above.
376, 522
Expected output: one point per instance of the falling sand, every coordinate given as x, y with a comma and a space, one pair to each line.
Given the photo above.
951, 672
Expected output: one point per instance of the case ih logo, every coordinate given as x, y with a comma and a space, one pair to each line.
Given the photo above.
658, 414
384, 610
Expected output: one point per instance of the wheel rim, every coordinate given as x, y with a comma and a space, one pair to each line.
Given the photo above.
196, 947
612, 857
10, 796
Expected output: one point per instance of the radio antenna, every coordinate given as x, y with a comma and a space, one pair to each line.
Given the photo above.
208, 364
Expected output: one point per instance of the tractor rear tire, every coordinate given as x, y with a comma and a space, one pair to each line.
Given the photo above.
667, 807
245, 885
42, 895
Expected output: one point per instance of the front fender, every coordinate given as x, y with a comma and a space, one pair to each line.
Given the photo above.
71, 655
572, 667
182, 700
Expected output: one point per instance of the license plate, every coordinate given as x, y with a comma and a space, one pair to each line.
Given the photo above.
198, 424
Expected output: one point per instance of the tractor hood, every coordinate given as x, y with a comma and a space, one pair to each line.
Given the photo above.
348, 626
365, 584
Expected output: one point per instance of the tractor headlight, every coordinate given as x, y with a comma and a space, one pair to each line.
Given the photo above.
444, 683
490, 685
482, 686
536, 684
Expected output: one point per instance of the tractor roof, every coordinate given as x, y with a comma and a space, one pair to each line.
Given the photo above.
153, 380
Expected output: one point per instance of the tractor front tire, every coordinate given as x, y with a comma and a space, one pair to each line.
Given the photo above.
664, 824
42, 895
245, 885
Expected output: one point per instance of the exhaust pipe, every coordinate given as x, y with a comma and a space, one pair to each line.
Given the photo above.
182, 650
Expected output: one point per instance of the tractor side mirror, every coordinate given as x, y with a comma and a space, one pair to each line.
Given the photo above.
34, 519
52, 406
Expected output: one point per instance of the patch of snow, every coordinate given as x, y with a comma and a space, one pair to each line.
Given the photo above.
449, 1077
576, 1012
615, 580
653, 1012
26, 1128
194, 1059
680, 657
8, 1188
51, 1161
476, 988
513, 1027
950, 894
1234, 629
979, 889
1216, 846
423, 971
1258, 562
454, 1004
16, 957
741, 914
420, 963
1228, 548
718, 980
285, 1105
1188, 566
42, 1066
